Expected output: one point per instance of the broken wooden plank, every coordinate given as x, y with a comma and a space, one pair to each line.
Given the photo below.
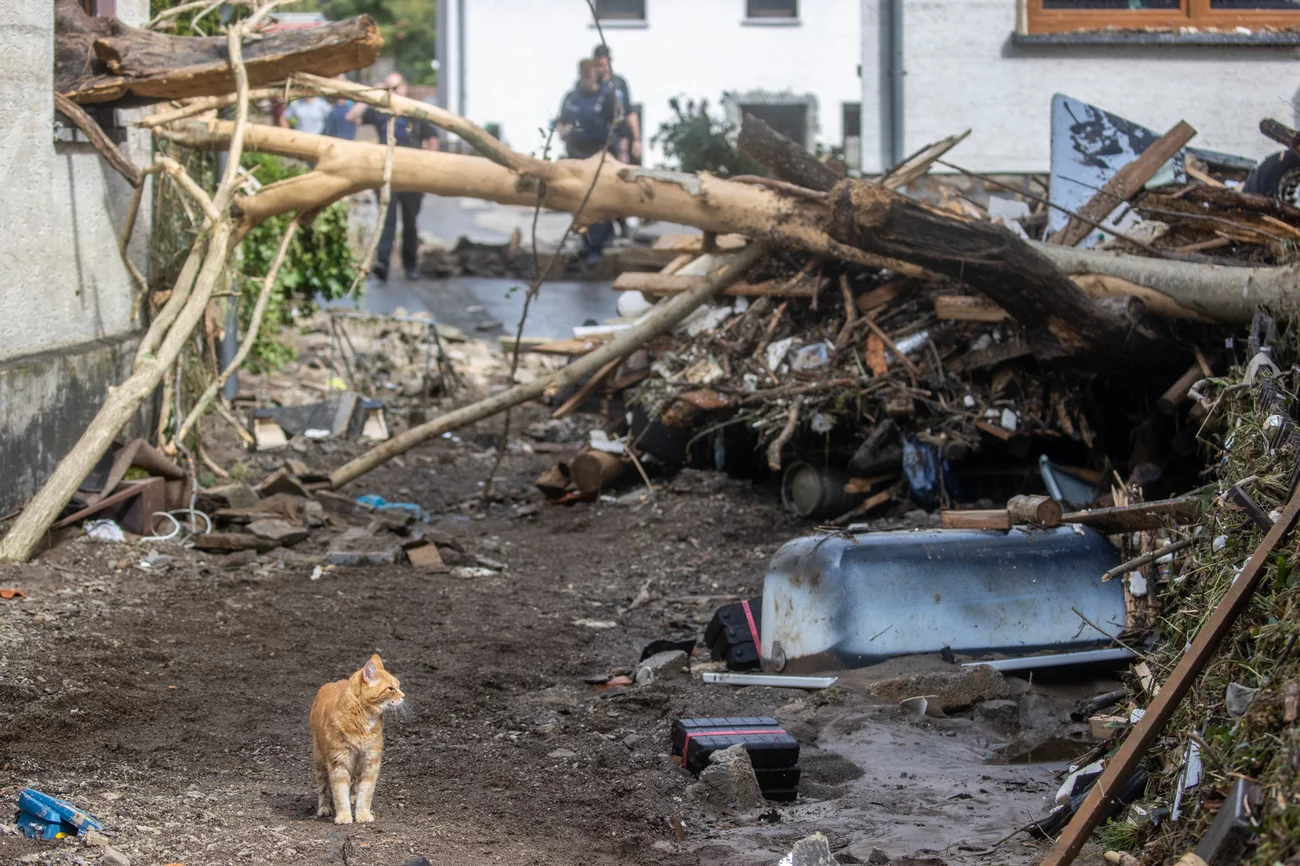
103, 60
1133, 518
694, 244
1177, 393
967, 308
976, 519
676, 284
918, 164
1193, 660
586, 389
1126, 183
881, 295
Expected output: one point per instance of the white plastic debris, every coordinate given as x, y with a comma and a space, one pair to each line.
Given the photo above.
1137, 584
812, 357
968, 401
1219, 543
822, 423
777, 351
316, 433
1009, 421
317, 572
1066, 790
105, 530
912, 342
632, 304
600, 440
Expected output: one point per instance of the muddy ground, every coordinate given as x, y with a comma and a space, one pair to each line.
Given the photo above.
171, 702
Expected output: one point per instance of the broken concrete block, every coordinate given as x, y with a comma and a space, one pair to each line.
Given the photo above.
815, 850
228, 496
949, 690
357, 547
230, 542
282, 481
337, 503
424, 554
661, 666
453, 557
114, 857
280, 531
999, 713
729, 781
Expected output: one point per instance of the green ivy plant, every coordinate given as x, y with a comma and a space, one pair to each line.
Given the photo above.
694, 140
319, 265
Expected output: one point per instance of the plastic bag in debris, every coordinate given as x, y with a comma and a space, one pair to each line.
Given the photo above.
379, 503
105, 530
921, 466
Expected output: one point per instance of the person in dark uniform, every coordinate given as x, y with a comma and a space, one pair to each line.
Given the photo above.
587, 117
628, 135
408, 133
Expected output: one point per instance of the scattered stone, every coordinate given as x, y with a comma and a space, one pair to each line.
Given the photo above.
313, 513
95, 839
282, 481
114, 857
528, 510
729, 781
156, 560
424, 555
453, 557
562, 753
948, 690
598, 624
1239, 698
337, 503
230, 542
228, 496
9, 830
396, 522
1000, 713
661, 666
490, 563
297, 467
282, 532
355, 548
469, 572
814, 850
443, 539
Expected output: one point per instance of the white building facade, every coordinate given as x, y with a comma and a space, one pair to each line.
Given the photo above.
510, 62
931, 68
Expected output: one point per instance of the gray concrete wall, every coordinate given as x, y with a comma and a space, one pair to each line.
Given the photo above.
65, 296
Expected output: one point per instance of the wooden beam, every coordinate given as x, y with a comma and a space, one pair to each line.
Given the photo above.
1135, 518
918, 164
586, 389
102, 143
977, 519
967, 308
1126, 183
676, 284
1190, 664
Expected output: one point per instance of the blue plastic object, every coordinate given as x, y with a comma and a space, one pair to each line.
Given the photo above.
41, 816
379, 503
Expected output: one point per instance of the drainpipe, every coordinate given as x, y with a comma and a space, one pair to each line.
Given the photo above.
896, 73
460, 57
440, 49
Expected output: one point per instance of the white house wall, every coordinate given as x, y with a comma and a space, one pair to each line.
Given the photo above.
963, 71
521, 57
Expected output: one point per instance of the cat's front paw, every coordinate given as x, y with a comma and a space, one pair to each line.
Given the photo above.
324, 811
365, 817
342, 819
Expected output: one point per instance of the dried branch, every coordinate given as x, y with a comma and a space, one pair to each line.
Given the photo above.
385, 196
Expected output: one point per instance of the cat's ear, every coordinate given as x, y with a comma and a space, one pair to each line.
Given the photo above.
377, 661
370, 673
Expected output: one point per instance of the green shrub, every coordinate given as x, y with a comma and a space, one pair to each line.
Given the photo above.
693, 140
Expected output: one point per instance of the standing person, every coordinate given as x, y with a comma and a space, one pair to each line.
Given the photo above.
306, 115
406, 133
337, 124
586, 116
629, 131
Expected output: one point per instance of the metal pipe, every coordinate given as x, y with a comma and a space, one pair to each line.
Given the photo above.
460, 58
440, 50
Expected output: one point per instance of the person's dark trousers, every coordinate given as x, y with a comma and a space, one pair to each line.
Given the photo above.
409, 204
596, 239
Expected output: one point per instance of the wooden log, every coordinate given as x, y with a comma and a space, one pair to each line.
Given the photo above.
1191, 663
1283, 135
1126, 183
1042, 510
676, 284
967, 308
100, 60
787, 160
978, 519
1177, 393
555, 480
1060, 318
593, 471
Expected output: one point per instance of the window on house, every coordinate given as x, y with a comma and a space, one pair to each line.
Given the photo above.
1057, 16
851, 117
790, 120
771, 8
105, 8
620, 10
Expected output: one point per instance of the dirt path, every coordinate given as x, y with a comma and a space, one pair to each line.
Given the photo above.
171, 702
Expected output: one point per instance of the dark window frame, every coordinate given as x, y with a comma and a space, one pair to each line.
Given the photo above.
617, 15
1191, 13
771, 13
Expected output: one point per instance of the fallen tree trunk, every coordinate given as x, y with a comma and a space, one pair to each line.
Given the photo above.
1223, 294
101, 60
658, 321
1060, 318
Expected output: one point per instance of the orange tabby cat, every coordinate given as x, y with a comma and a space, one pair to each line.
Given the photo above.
347, 739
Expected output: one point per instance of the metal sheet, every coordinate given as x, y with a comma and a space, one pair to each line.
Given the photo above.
1085, 657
